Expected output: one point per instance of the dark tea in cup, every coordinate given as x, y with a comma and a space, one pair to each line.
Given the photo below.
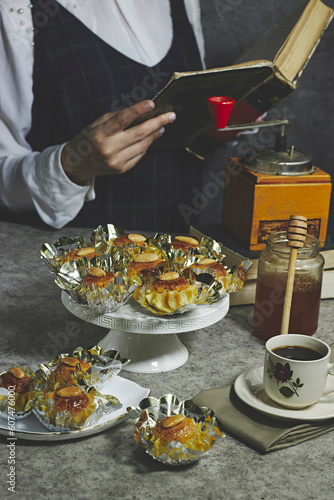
298, 353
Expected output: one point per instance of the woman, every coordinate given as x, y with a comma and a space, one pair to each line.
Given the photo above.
66, 151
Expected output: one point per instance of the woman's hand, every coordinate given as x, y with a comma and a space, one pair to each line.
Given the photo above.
108, 147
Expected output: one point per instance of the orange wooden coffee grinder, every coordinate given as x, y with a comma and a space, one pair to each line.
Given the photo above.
265, 187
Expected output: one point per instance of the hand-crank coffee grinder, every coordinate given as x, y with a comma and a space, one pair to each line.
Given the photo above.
265, 187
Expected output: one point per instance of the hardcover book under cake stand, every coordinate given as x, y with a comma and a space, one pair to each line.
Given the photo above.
150, 341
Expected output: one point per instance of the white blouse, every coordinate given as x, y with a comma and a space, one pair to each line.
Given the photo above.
35, 180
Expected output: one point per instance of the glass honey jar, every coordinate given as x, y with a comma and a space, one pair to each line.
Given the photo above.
271, 284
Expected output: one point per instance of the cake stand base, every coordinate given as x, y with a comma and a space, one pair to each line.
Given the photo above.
148, 353
150, 341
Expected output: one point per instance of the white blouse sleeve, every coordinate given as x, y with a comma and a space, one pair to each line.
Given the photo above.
28, 180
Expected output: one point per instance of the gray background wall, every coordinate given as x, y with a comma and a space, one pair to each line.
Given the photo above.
231, 27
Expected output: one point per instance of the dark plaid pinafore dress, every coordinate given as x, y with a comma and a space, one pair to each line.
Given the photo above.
77, 78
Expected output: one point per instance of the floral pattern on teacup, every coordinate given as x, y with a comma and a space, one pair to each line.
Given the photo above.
283, 375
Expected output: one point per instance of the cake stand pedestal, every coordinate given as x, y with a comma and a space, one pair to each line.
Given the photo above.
150, 341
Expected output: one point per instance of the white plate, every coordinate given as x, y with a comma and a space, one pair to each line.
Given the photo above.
249, 388
129, 393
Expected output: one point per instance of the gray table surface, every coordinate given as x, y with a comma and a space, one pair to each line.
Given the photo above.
109, 464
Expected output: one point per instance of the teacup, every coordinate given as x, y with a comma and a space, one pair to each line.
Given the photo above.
296, 370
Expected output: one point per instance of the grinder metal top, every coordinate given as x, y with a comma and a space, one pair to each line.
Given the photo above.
280, 160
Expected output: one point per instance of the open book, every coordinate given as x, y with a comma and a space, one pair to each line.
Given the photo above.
259, 80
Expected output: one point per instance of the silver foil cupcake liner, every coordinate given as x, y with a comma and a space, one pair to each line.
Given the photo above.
148, 413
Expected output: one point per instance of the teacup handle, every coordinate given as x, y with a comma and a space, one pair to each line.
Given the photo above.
330, 372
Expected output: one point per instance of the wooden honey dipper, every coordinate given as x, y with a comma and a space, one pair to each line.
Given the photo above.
296, 234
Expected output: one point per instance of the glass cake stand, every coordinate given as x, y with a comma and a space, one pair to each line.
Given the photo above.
150, 341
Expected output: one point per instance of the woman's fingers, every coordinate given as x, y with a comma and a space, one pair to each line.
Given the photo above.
124, 159
108, 146
144, 134
112, 123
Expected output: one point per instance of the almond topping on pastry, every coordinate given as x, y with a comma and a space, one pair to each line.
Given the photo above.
16, 372
187, 239
172, 421
136, 238
69, 392
85, 251
206, 262
70, 361
73, 362
96, 272
171, 275
146, 257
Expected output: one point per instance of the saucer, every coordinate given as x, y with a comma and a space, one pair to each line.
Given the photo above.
249, 388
